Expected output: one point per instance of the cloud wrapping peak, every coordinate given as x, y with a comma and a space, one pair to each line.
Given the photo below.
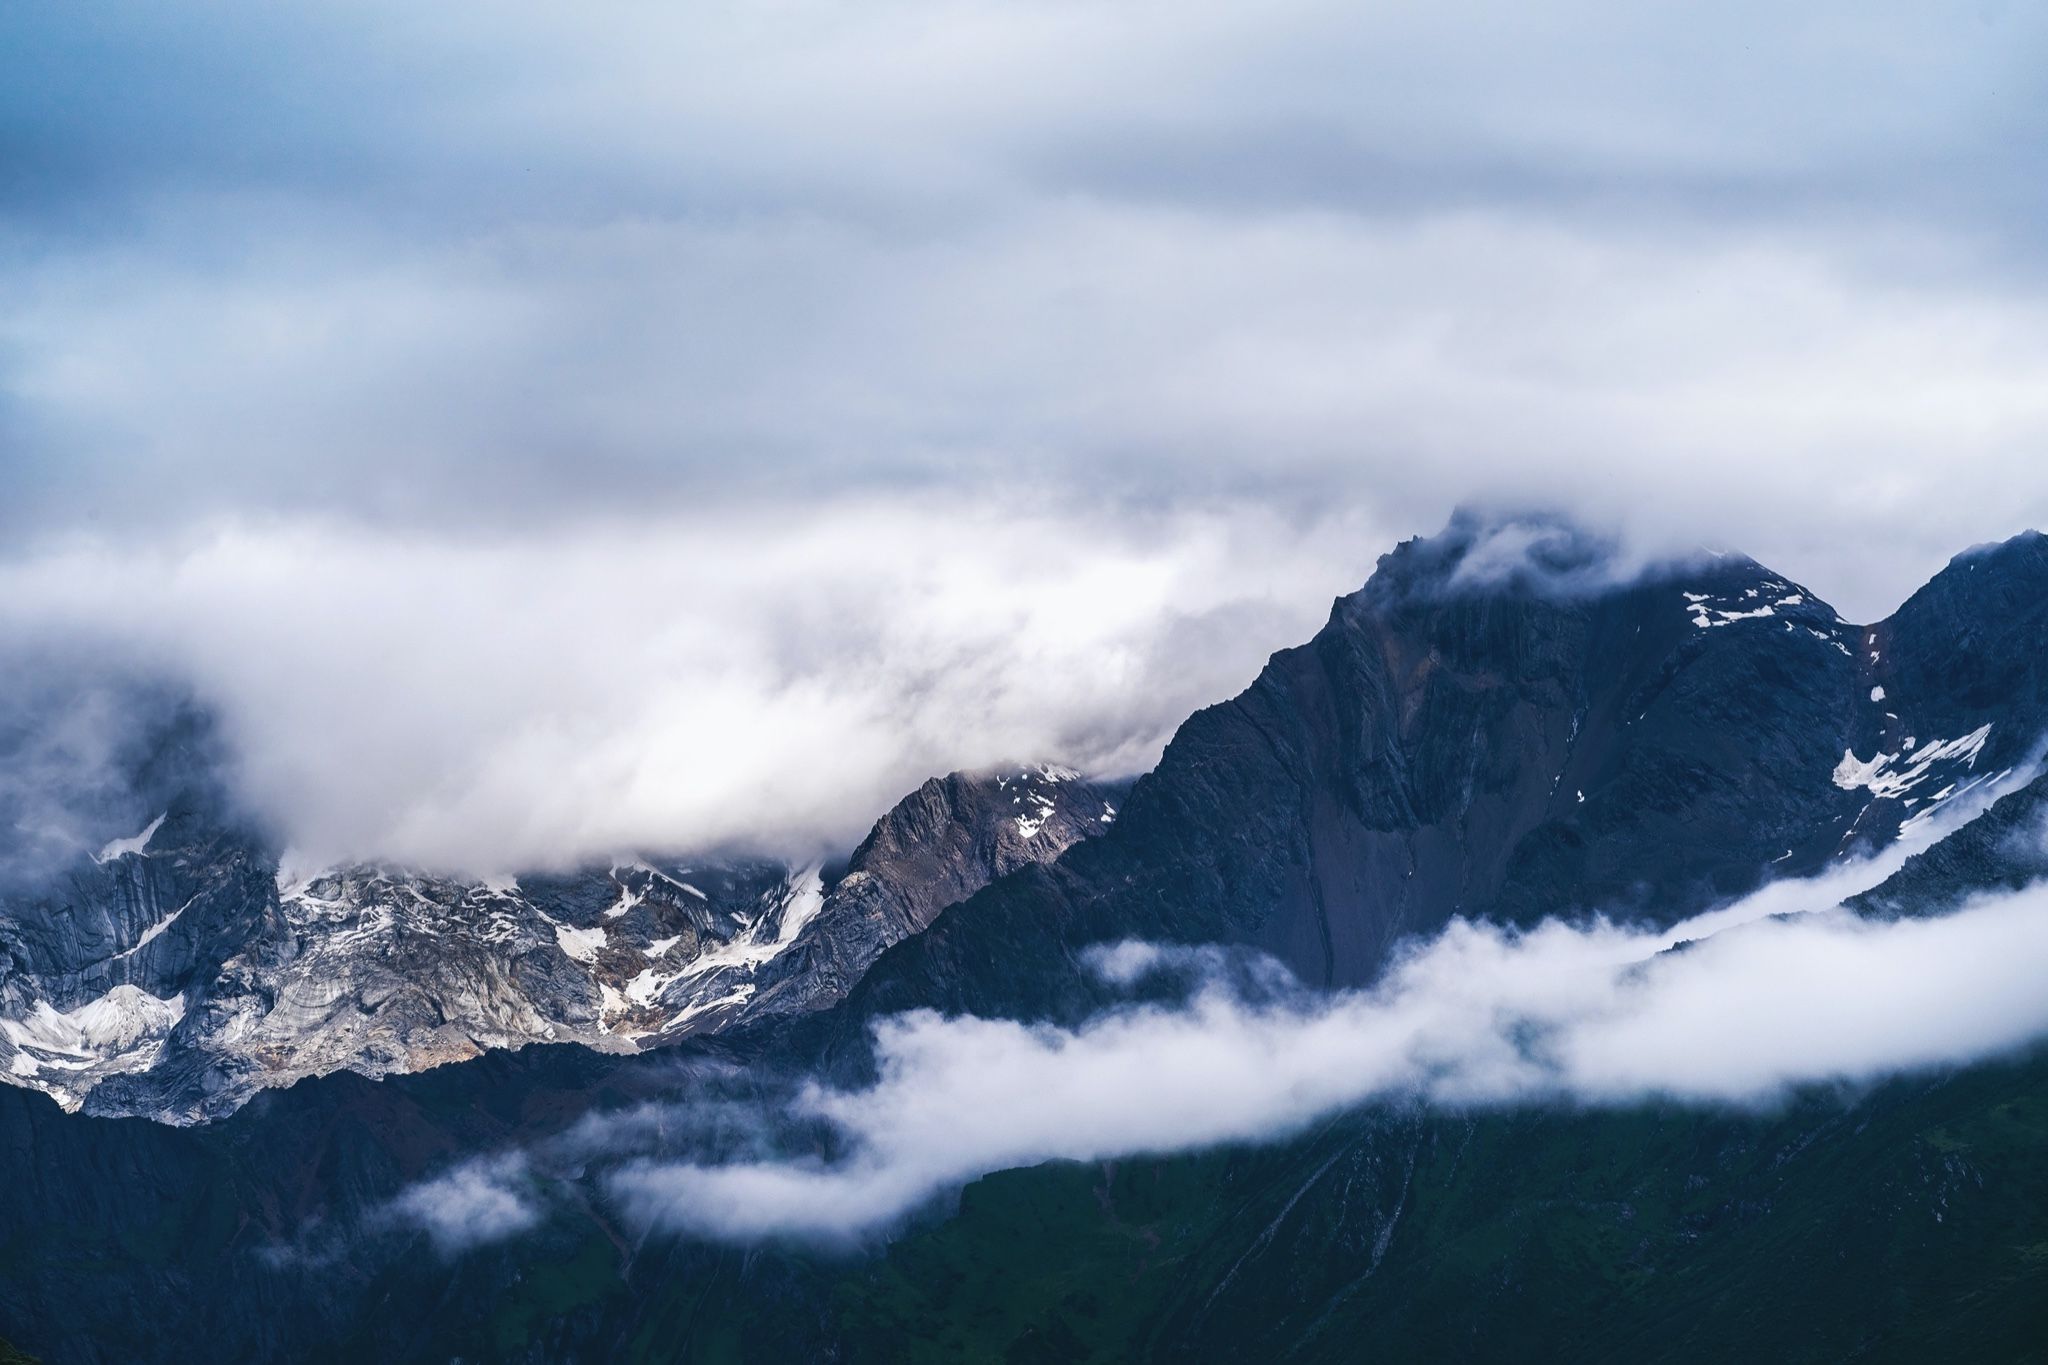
774, 679
1479, 1017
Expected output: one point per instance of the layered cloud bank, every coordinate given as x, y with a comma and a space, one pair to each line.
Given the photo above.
1479, 1017
772, 679
1739, 1006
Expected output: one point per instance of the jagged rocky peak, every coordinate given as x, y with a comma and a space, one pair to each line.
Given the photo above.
158, 960
937, 846
807, 937
245, 978
956, 833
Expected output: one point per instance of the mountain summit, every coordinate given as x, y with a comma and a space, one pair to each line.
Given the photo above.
1503, 724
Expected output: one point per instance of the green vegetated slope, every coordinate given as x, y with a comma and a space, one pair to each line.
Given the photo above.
1906, 1224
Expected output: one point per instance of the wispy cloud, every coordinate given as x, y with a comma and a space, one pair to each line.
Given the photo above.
1480, 1016
78, 730
477, 1202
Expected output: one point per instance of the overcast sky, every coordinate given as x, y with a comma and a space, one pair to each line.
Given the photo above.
535, 403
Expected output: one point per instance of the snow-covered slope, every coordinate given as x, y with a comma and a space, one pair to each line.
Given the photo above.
177, 971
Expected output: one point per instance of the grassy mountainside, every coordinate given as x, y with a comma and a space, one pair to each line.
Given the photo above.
1906, 1224
1910, 1227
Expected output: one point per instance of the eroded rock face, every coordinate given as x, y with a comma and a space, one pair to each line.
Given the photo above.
941, 844
178, 971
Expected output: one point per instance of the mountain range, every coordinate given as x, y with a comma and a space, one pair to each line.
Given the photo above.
179, 970
231, 1077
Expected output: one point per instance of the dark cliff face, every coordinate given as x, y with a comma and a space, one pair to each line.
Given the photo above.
2004, 849
1517, 752
1508, 742
1966, 648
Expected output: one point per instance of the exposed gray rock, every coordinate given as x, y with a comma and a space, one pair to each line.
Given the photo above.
941, 844
178, 971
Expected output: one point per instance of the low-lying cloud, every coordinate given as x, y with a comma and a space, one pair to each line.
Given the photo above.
476, 1202
1740, 1006
1481, 1016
